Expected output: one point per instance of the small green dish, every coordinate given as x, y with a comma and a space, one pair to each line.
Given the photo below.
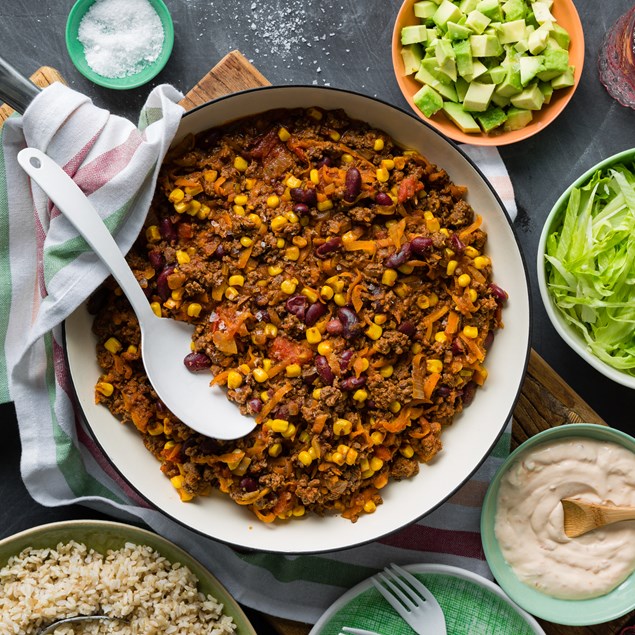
597, 610
76, 49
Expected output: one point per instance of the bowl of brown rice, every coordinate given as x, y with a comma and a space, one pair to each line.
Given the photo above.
90, 567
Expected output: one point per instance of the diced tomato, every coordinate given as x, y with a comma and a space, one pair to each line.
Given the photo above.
408, 188
284, 349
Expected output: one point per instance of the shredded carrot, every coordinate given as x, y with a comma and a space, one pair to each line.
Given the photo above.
430, 384
369, 246
470, 228
435, 315
319, 423
396, 232
244, 257
274, 401
220, 379
399, 423
452, 325
217, 184
475, 350
418, 377
185, 182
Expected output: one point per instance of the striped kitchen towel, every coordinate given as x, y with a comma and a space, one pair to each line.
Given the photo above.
46, 271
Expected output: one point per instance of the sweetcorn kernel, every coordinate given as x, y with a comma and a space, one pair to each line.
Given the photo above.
434, 365
236, 281
260, 375
234, 379
273, 201
386, 371
470, 331
464, 280
194, 309
451, 267
378, 145
284, 134
293, 370
240, 164
241, 199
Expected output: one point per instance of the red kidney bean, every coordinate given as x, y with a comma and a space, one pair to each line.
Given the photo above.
261, 315
353, 184
167, 230
457, 348
301, 209
350, 322
325, 160
489, 338
163, 289
400, 258
353, 383
383, 199
248, 484
369, 403
345, 359
468, 393
407, 328
156, 259
197, 361
500, 295
324, 370
314, 313
328, 247
297, 305
219, 252
421, 245
309, 376
255, 404
457, 244
443, 391
334, 327
299, 195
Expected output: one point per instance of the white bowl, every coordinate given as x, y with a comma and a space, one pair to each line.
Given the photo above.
466, 443
568, 333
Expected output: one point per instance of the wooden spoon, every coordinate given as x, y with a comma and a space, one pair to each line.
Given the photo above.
582, 516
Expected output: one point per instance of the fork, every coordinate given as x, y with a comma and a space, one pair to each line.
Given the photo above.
411, 599
77, 618
349, 630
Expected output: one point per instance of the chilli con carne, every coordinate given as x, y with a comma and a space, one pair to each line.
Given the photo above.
341, 294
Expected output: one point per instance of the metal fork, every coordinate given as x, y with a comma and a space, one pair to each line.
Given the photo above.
411, 599
78, 618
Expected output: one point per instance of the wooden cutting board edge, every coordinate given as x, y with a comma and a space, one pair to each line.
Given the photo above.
546, 400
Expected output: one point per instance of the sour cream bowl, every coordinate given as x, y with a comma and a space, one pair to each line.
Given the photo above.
574, 612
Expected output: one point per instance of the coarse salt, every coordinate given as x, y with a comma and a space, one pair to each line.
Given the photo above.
121, 37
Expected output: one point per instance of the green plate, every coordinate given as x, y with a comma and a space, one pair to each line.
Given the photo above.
76, 50
470, 603
102, 535
570, 612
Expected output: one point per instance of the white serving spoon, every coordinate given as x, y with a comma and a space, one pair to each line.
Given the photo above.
164, 342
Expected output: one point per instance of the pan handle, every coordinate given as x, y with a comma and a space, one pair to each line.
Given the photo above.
15, 89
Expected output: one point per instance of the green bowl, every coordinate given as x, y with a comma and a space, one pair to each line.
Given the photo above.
605, 608
102, 535
76, 49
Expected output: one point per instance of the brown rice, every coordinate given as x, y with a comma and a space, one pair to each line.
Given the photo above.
39, 586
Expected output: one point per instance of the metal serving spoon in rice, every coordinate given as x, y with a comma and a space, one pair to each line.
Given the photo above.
77, 618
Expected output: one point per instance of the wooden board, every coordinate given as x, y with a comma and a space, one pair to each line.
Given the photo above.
545, 401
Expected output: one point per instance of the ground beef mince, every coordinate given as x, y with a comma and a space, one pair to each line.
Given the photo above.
341, 294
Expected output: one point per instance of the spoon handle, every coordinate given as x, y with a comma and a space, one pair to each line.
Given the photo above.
15, 89
69, 199
613, 513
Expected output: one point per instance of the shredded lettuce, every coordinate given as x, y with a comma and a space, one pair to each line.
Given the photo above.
590, 264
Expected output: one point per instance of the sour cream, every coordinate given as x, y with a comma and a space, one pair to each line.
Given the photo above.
529, 521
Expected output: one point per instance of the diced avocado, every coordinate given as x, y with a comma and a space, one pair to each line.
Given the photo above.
499, 100
458, 31
446, 11
424, 9
491, 118
412, 55
462, 119
494, 75
510, 32
560, 35
468, 5
478, 68
522, 46
514, 9
428, 100
491, 8
542, 13
537, 40
485, 46
477, 21
517, 118
431, 65
565, 80
461, 86
556, 62
446, 58
530, 66
531, 98
511, 84
547, 90
413, 34
426, 77
463, 56
478, 97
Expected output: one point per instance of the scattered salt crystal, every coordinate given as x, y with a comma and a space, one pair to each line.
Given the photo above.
121, 37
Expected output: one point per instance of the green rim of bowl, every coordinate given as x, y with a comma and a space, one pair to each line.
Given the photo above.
102, 535
605, 608
76, 49
574, 339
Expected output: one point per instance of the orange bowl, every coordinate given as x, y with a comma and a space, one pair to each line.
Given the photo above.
566, 15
